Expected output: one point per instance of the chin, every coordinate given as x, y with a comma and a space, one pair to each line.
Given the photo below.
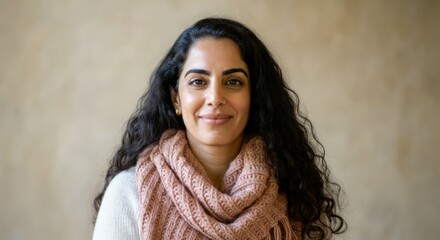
213, 141
216, 139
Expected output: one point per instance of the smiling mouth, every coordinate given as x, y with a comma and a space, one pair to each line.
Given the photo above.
215, 119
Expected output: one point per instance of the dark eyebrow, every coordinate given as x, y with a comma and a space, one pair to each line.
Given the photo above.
201, 71
234, 70
226, 72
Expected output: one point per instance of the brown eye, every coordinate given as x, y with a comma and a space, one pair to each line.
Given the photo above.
234, 83
197, 82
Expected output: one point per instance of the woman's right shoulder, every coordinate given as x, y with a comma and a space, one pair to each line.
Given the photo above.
123, 189
119, 212
124, 179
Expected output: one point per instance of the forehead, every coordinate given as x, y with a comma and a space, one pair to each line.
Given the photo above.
214, 53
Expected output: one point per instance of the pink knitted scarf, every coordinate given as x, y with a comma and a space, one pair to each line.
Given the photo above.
179, 201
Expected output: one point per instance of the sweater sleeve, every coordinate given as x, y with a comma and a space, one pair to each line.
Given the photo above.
118, 216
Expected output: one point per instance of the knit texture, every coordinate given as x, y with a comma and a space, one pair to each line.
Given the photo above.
178, 200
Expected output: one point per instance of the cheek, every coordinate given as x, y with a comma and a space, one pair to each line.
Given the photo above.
244, 106
189, 102
246, 110
246, 101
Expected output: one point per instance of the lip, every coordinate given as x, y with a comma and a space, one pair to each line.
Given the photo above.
215, 119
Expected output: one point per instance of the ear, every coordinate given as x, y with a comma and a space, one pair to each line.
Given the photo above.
175, 98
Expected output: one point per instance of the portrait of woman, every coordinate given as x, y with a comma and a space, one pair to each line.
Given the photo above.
218, 149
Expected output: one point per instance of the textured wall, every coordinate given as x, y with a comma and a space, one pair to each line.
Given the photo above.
367, 73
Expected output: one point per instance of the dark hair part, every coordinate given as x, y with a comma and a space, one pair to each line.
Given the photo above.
293, 149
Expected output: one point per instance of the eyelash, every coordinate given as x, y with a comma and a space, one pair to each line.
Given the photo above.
198, 82
236, 82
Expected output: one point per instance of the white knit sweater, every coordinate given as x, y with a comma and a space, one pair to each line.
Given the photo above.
118, 217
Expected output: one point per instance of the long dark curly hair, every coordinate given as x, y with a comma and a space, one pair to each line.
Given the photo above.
292, 147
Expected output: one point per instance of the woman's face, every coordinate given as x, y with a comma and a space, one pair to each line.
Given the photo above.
214, 93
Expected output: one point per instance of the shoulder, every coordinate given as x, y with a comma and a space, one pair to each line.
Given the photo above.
118, 216
123, 182
122, 191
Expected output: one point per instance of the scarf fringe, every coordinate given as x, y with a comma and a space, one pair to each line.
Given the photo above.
283, 231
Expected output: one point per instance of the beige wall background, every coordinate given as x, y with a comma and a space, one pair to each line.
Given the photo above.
367, 73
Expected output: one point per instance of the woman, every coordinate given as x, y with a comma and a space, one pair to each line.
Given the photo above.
218, 149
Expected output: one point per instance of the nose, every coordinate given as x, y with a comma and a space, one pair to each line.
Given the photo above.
215, 96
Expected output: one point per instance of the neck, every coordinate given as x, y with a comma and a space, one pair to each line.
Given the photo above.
215, 159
